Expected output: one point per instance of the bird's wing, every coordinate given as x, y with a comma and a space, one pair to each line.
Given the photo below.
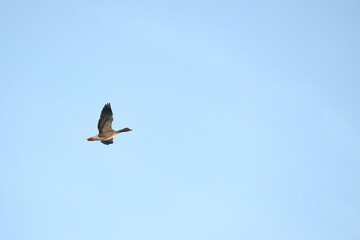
106, 119
107, 142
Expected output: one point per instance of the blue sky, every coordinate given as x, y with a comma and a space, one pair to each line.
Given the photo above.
245, 116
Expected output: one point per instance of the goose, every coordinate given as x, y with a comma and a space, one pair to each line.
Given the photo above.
106, 133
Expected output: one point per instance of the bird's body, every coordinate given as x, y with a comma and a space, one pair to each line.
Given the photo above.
106, 133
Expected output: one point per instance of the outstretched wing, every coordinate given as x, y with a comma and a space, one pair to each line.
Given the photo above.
107, 142
106, 119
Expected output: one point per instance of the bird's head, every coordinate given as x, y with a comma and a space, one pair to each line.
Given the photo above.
126, 130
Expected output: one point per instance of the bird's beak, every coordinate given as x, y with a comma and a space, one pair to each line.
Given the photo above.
90, 139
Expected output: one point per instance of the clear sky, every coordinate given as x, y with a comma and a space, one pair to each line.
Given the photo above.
245, 116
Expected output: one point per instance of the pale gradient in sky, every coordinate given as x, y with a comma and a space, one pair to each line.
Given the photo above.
245, 116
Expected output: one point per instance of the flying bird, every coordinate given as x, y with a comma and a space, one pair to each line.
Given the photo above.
106, 133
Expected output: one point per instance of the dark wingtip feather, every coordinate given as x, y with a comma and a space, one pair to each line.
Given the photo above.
107, 142
106, 109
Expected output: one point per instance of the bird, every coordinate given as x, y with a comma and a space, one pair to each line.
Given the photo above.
106, 133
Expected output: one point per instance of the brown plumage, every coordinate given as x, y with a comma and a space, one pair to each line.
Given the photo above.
106, 133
